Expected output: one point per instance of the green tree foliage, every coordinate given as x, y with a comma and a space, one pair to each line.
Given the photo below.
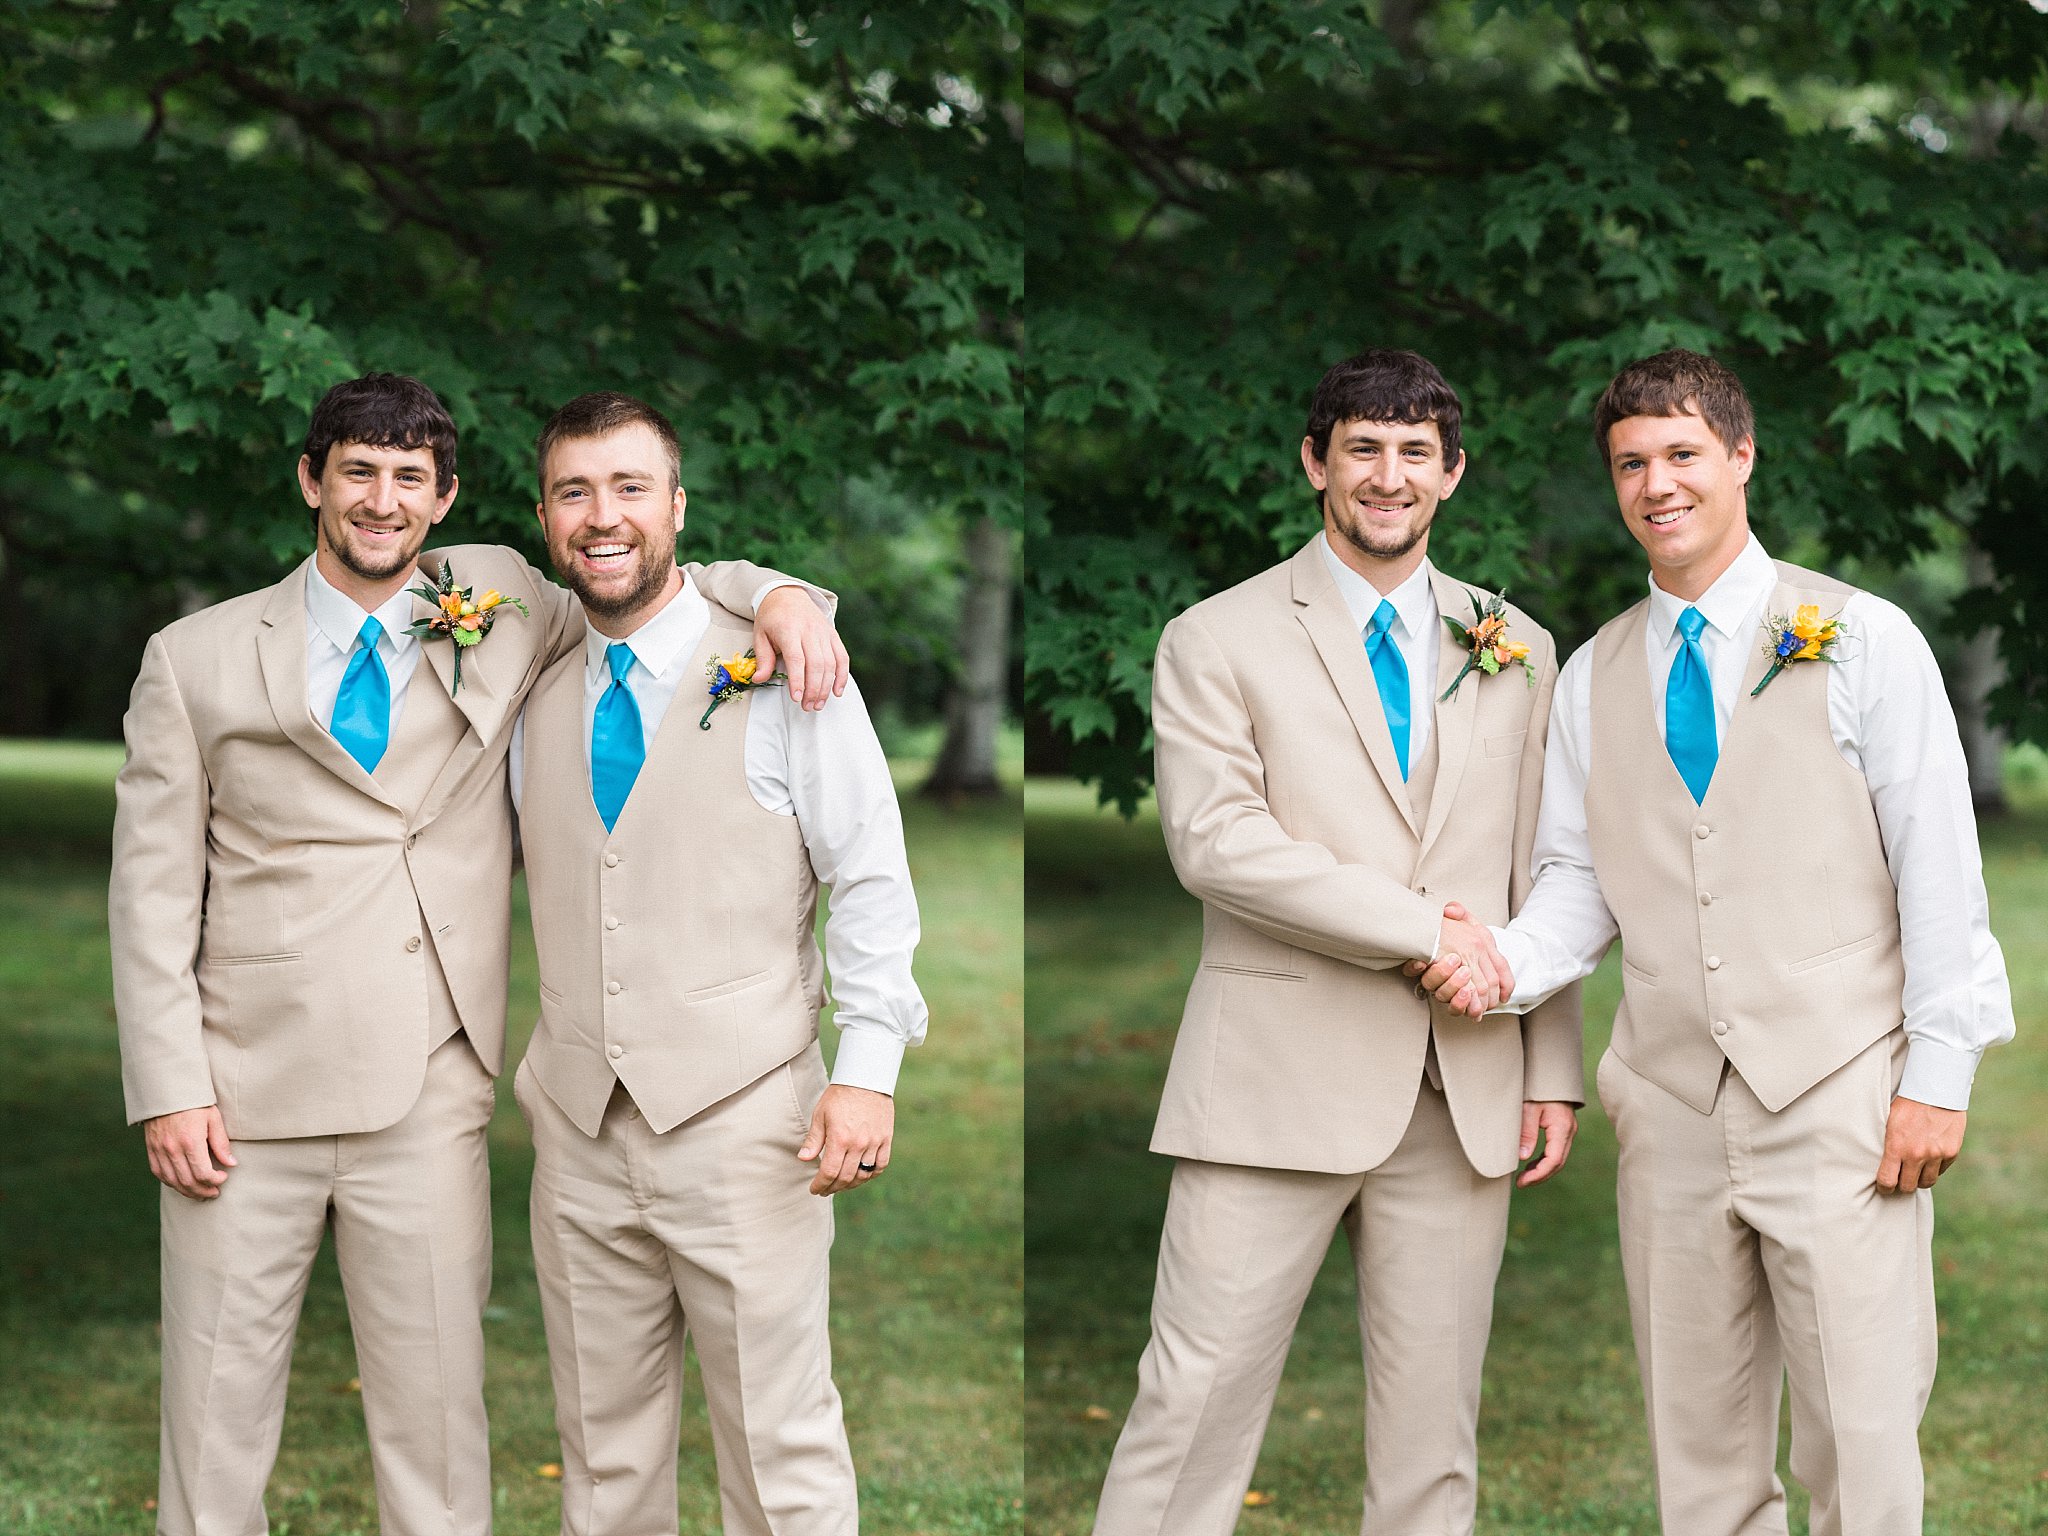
1842, 200
794, 227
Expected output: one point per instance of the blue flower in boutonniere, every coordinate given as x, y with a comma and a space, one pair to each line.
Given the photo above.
461, 616
1487, 644
731, 677
1806, 636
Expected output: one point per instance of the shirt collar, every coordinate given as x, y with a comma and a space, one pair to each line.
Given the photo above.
338, 616
1414, 600
660, 642
1728, 604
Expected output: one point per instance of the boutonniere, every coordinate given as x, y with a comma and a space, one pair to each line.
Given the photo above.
732, 677
1487, 644
1806, 636
462, 617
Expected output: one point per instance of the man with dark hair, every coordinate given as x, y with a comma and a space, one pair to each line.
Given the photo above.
1788, 856
1324, 825
308, 913
674, 1085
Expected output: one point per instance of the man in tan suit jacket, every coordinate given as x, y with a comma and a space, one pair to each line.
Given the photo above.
1325, 803
308, 913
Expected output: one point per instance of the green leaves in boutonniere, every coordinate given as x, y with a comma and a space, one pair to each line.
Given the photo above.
1486, 642
1806, 636
462, 618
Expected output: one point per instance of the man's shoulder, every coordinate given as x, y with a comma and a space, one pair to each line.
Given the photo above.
217, 623
1256, 599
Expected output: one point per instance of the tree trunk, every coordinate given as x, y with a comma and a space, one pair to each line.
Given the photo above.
1978, 670
966, 763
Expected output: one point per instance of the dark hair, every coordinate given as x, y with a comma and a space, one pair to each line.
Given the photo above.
383, 410
1385, 385
1671, 384
599, 414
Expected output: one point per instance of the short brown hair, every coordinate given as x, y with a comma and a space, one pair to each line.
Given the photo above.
1385, 385
382, 410
599, 414
1671, 384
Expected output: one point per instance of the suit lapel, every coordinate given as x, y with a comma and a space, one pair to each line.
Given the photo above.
281, 653
1320, 607
1453, 717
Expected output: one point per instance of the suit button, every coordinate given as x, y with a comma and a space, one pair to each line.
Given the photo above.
615, 1051
412, 945
611, 861
611, 922
1713, 962
612, 987
1700, 832
1706, 898
1720, 1026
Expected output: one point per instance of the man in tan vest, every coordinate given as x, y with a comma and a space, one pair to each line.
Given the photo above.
1777, 823
308, 913
678, 819
1324, 790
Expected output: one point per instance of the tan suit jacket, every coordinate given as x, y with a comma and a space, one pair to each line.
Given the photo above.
272, 905
1302, 1044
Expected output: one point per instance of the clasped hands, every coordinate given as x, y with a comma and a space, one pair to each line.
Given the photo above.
1468, 975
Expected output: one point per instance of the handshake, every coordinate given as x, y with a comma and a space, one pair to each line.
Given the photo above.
1468, 975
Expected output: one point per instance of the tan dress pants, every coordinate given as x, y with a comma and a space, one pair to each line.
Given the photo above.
1240, 1249
1756, 1245
711, 1228
410, 1206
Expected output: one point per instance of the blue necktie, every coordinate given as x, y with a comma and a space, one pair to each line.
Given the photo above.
1689, 710
1390, 671
617, 747
362, 709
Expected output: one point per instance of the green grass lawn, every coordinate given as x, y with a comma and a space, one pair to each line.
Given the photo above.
927, 1304
1110, 945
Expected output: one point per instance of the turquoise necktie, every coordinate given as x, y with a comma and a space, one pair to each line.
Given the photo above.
1689, 710
617, 746
1390, 671
362, 709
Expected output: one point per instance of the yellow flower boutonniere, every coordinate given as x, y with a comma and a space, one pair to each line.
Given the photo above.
1486, 641
461, 616
1806, 636
732, 676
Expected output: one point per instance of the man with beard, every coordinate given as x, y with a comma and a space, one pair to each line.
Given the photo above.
309, 913
676, 836
1326, 779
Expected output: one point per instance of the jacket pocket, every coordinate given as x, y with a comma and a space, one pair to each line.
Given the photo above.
726, 988
1506, 746
1252, 970
283, 957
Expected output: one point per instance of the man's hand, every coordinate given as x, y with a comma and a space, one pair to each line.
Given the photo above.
1468, 976
1558, 1124
791, 627
184, 1149
1920, 1142
849, 1137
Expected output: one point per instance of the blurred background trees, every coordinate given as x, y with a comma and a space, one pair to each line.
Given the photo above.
795, 229
1845, 200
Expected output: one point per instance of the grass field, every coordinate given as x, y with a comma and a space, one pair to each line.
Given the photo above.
1111, 941
927, 1313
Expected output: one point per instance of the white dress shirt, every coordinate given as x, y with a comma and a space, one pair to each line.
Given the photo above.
825, 768
1414, 633
1891, 721
333, 621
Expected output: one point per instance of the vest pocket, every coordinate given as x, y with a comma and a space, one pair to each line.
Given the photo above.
1839, 952
1635, 972
726, 988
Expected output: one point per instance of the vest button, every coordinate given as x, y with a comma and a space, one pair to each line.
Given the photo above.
611, 922
1706, 898
615, 1051
1713, 962
611, 861
1720, 1026
612, 987
1700, 832
412, 839
412, 945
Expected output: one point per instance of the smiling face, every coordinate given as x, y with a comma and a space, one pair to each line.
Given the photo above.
373, 510
610, 520
1380, 485
1683, 494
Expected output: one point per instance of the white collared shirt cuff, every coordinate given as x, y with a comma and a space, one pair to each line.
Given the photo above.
1938, 1074
1519, 955
868, 1058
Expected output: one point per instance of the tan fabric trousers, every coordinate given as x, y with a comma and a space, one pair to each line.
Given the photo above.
1240, 1249
410, 1207
709, 1228
1757, 1245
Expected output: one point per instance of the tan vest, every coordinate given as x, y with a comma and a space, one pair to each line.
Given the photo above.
677, 952
1759, 927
